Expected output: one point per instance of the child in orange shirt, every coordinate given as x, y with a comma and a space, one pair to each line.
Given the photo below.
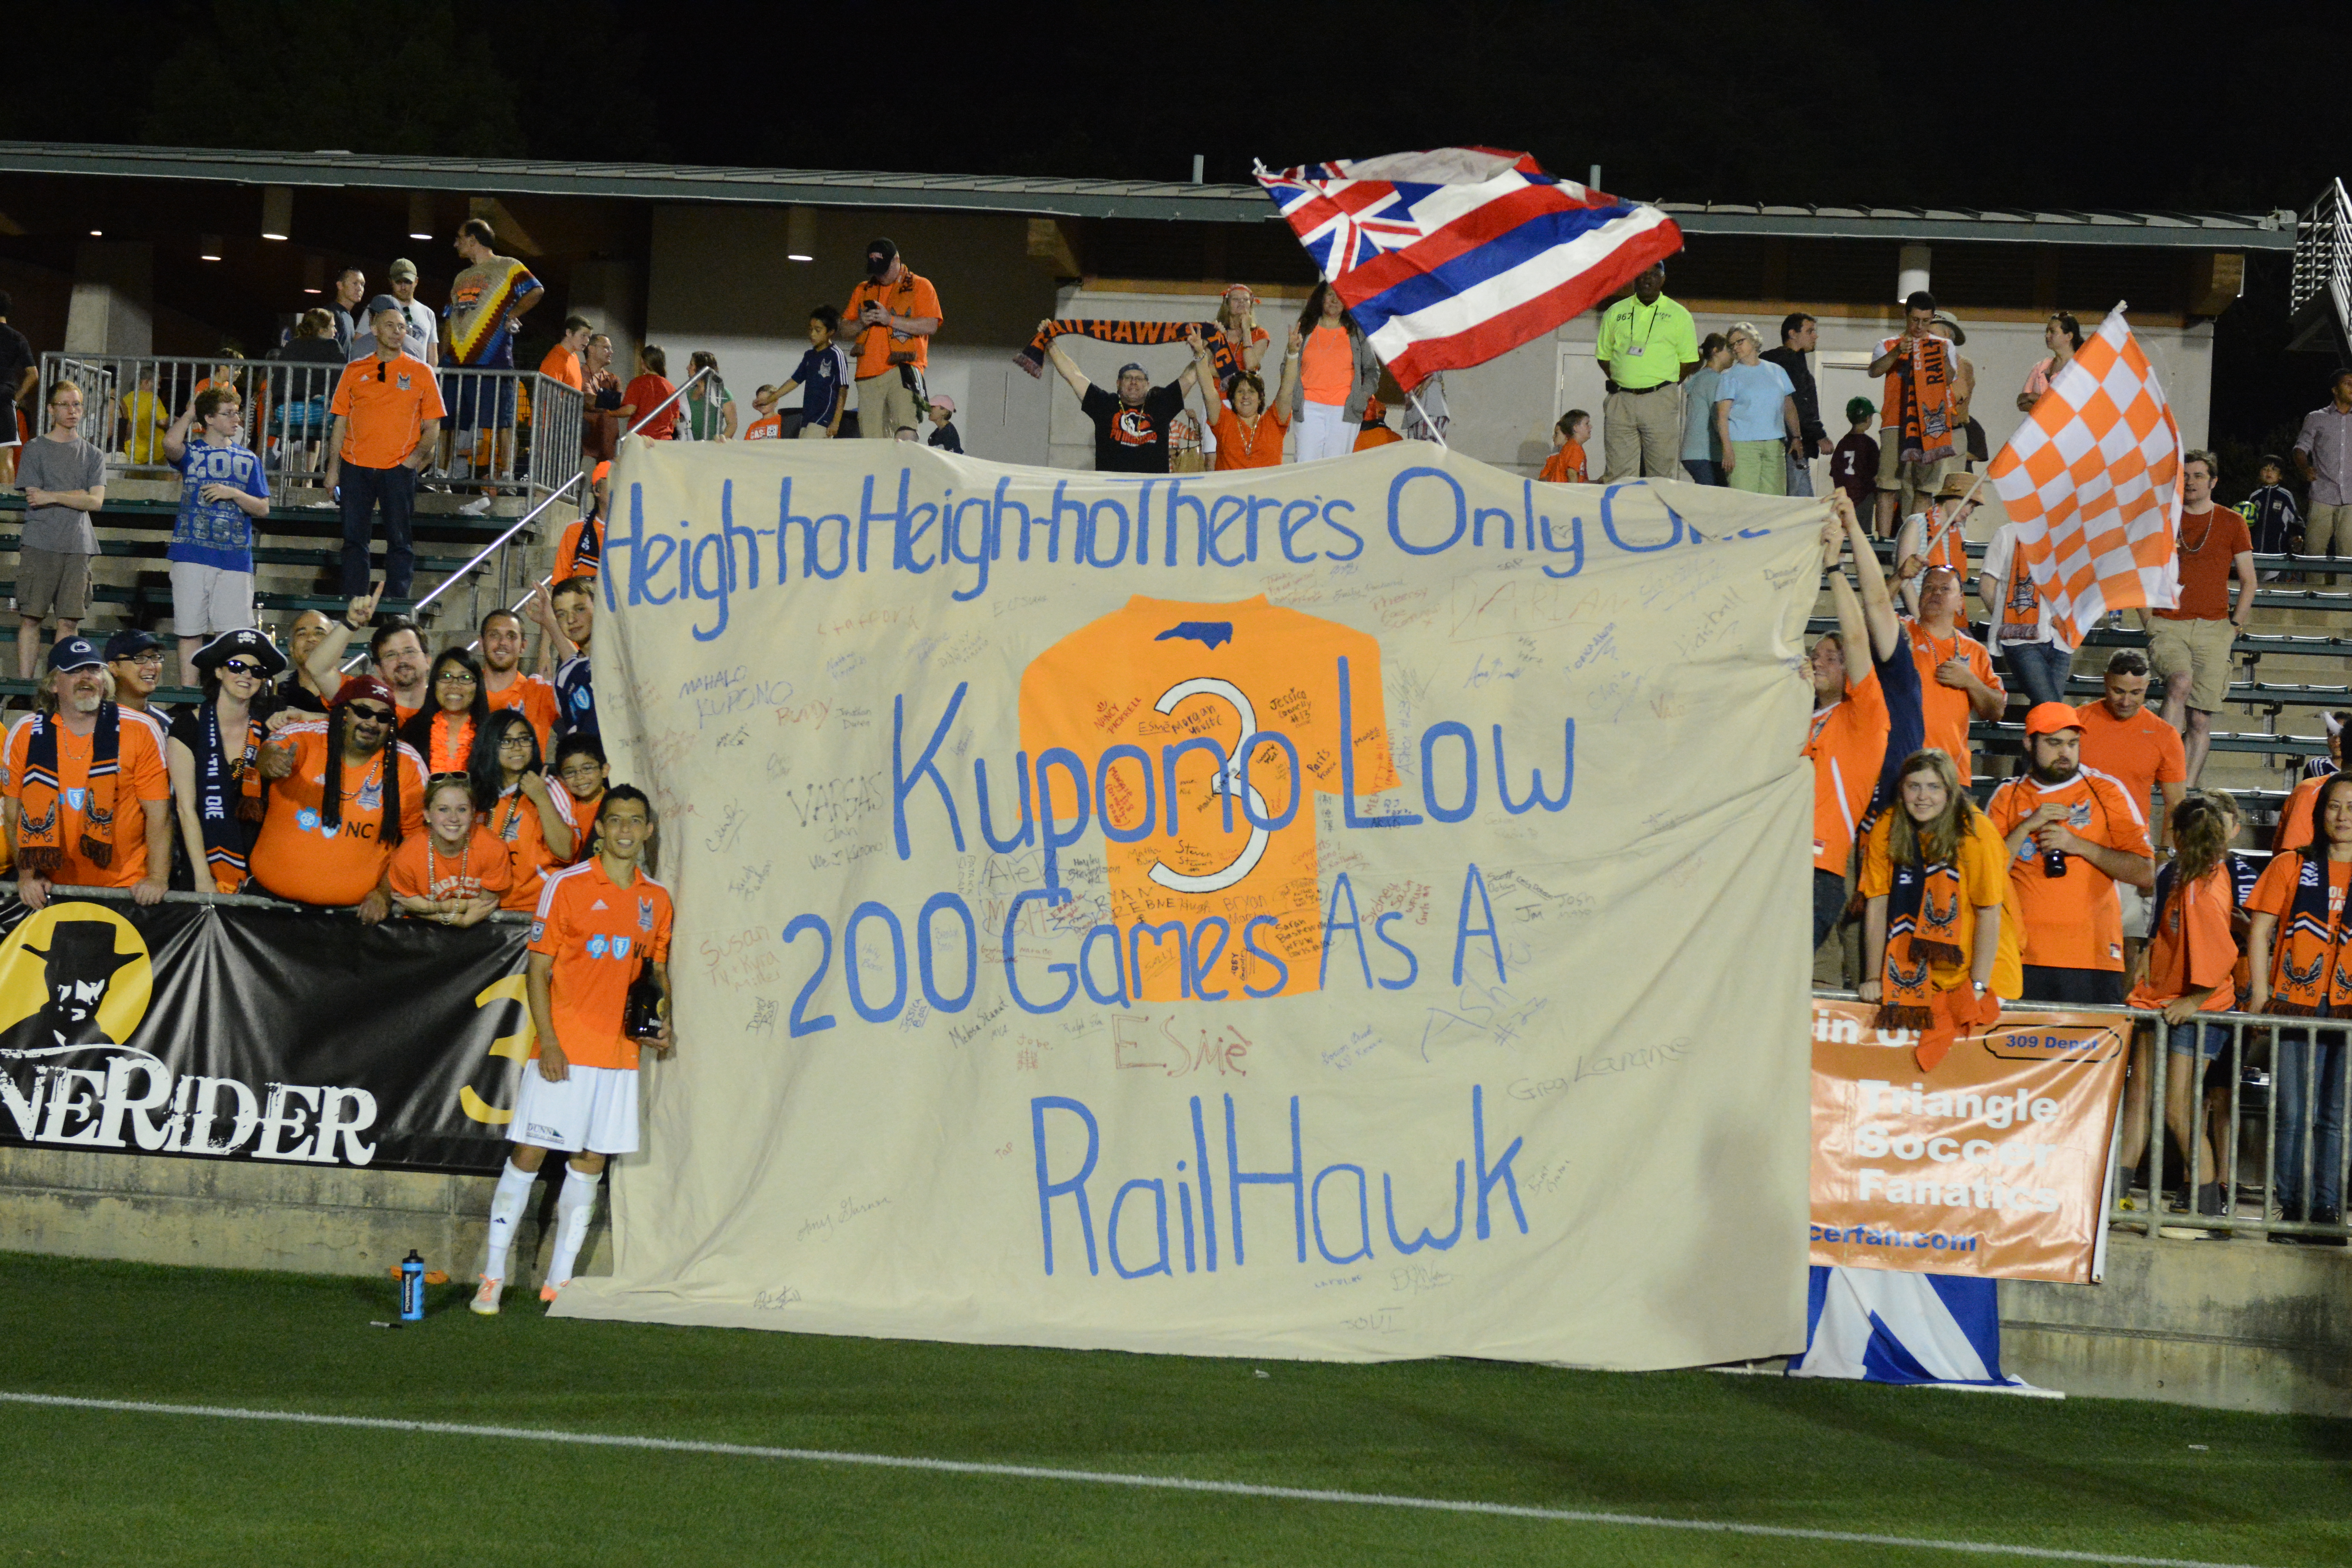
1567, 464
453, 872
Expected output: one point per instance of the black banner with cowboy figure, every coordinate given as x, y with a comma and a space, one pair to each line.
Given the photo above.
233, 1031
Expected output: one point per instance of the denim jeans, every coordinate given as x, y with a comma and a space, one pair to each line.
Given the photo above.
2314, 1090
1704, 470
2041, 668
362, 489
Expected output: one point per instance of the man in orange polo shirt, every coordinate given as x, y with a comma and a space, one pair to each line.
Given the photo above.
2124, 740
2073, 834
893, 313
68, 828
1957, 680
387, 410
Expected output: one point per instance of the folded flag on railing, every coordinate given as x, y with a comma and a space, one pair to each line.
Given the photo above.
1449, 257
2093, 480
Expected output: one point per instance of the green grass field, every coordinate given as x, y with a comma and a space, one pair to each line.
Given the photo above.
87, 1486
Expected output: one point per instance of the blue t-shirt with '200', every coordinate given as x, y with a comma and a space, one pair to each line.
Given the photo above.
215, 533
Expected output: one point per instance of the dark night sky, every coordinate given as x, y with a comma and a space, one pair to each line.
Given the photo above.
2147, 106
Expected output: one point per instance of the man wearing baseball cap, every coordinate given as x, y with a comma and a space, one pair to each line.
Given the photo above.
72, 769
135, 659
420, 341
2072, 834
892, 316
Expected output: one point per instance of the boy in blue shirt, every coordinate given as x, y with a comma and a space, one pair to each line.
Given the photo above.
2271, 514
822, 377
221, 493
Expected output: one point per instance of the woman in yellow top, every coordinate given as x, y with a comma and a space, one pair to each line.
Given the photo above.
1941, 919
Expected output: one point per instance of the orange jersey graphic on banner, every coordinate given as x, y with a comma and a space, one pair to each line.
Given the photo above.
1162, 688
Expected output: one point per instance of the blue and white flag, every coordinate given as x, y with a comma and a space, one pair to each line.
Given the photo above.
1882, 1325
1449, 257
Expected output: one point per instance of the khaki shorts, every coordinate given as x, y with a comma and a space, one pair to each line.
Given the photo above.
886, 406
1894, 474
2200, 648
49, 583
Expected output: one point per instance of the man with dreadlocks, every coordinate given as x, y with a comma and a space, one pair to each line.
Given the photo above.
1939, 934
71, 768
344, 794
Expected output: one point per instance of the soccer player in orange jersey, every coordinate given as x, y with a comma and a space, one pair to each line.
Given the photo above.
598, 923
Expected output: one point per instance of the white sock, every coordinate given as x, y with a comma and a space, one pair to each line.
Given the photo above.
506, 1210
575, 1206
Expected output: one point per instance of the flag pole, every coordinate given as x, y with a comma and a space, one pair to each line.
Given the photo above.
1427, 424
1945, 526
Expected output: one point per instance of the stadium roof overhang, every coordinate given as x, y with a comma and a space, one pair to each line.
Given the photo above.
1047, 197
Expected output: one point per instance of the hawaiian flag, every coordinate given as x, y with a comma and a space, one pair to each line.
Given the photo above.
1448, 259
2092, 480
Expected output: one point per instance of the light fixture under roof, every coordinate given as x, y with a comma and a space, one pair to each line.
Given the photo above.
98, 234
314, 274
208, 247
420, 214
277, 212
800, 233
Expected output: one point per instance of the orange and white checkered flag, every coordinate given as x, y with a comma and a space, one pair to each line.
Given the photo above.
2093, 480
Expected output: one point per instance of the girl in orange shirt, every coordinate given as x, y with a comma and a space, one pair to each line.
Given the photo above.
512, 796
442, 731
453, 872
2192, 959
1937, 945
2300, 900
1249, 434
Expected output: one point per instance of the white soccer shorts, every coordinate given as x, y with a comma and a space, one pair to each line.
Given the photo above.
594, 1109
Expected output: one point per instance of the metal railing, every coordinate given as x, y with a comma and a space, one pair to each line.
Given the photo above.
2267, 1125
234, 900
508, 431
2323, 256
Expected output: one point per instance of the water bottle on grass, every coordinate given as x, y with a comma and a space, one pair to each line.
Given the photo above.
412, 1288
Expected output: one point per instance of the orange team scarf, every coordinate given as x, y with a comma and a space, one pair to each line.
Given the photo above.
1923, 910
1221, 353
39, 820
2020, 604
2310, 976
1920, 387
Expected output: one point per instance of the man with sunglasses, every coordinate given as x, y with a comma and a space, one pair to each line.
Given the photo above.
346, 793
388, 412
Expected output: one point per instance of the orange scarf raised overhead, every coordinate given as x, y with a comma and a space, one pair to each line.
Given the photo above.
1920, 389
2311, 975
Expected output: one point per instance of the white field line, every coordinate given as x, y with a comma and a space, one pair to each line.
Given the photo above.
1096, 1477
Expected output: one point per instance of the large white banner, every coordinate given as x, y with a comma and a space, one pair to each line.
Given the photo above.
1349, 911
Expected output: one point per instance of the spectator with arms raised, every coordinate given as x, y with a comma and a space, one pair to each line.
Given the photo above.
214, 756
453, 872
345, 794
1130, 429
1249, 433
598, 925
2072, 834
73, 770
395, 650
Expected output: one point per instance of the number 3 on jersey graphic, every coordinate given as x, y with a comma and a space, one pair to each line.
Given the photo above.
1222, 782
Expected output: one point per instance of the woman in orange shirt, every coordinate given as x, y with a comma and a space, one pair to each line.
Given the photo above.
453, 872
1940, 942
1249, 434
442, 731
2192, 961
1338, 375
516, 805
2300, 900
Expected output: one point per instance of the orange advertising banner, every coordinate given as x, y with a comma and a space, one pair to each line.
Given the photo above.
1993, 1165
